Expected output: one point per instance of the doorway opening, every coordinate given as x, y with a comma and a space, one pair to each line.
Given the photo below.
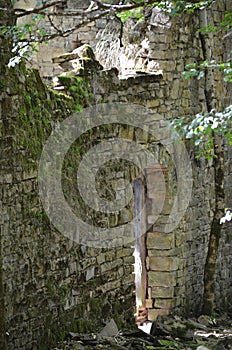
140, 249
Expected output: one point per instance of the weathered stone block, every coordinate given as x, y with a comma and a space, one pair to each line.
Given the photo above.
157, 193
153, 103
162, 292
126, 132
162, 109
163, 303
178, 251
7, 178
153, 313
159, 240
162, 263
164, 279
185, 103
175, 89
29, 175
141, 136
149, 303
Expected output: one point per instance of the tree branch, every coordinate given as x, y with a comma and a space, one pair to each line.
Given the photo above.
96, 10
120, 8
39, 10
53, 25
87, 15
121, 29
226, 36
99, 6
69, 31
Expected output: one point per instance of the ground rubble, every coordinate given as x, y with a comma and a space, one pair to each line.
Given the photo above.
167, 332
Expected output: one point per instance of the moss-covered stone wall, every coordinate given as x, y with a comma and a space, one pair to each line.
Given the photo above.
52, 285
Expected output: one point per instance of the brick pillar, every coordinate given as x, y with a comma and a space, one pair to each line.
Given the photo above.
161, 265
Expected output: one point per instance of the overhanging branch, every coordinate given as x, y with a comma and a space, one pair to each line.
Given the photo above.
126, 7
39, 10
99, 6
69, 31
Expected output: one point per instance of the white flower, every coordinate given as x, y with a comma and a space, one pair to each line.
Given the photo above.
215, 124
222, 220
227, 217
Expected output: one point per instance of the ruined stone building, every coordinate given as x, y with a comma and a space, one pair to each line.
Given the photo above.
61, 276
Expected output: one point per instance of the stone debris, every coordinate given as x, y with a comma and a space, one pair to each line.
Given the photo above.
80, 61
167, 332
84, 51
110, 330
173, 326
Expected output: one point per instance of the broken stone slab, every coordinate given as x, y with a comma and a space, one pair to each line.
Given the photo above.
80, 60
200, 325
206, 320
140, 334
84, 51
86, 339
173, 326
110, 330
113, 344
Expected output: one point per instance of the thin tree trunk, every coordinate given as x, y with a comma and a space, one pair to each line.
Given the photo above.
215, 231
218, 165
2, 305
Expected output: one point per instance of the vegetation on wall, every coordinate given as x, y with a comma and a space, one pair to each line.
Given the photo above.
27, 36
211, 131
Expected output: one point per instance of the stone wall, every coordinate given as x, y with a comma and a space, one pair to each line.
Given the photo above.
42, 59
173, 47
224, 258
53, 285
223, 276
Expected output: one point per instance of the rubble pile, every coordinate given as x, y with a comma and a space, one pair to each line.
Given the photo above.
167, 332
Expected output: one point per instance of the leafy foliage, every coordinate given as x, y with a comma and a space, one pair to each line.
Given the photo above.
178, 7
224, 25
135, 13
198, 70
203, 127
25, 38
